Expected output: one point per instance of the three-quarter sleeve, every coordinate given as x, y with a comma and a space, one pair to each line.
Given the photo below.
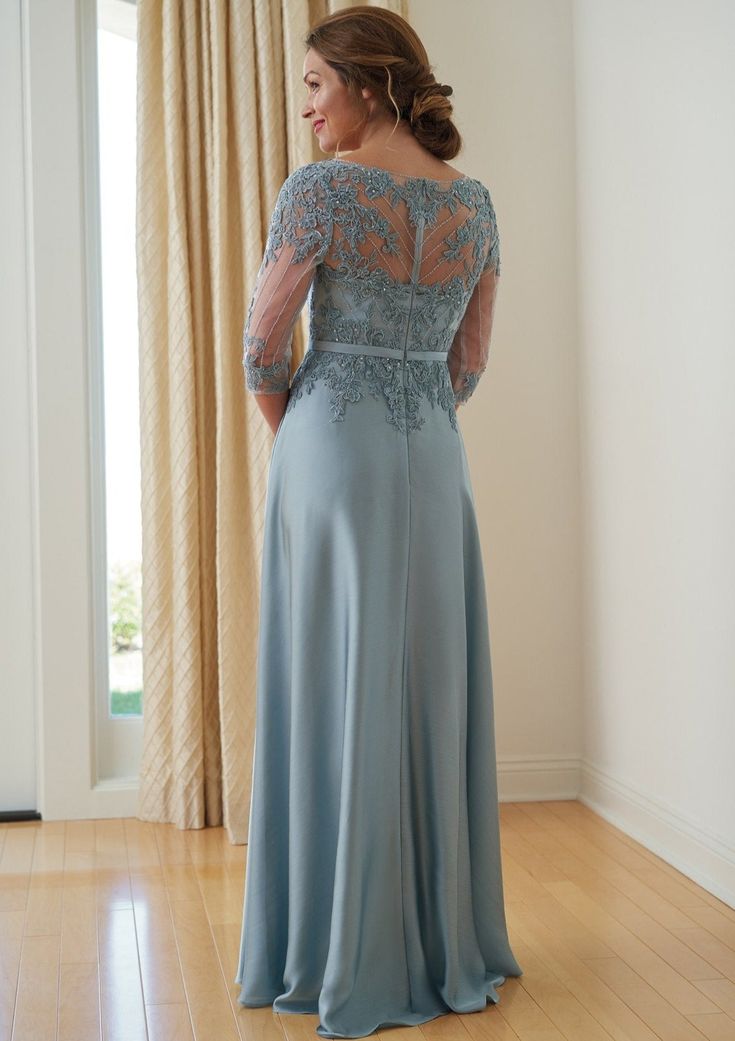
468, 356
298, 238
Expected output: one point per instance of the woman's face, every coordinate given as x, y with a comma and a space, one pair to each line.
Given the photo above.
329, 107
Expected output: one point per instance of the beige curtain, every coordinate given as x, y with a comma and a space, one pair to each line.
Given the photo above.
219, 95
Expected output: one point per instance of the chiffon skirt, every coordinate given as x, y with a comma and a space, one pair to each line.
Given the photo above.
373, 889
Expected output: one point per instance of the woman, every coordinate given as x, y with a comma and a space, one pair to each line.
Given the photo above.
373, 891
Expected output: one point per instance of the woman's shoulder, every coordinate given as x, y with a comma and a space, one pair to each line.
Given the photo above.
309, 175
316, 182
325, 171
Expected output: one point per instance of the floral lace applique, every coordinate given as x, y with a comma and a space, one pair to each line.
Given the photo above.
347, 376
467, 388
349, 225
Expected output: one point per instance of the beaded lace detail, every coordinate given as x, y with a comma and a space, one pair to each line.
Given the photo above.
387, 260
347, 375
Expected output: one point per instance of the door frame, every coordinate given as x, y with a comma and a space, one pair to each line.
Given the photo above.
67, 469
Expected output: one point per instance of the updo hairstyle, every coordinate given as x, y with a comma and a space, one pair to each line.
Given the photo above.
375, 48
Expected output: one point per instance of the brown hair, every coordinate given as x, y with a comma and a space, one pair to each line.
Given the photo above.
375, 48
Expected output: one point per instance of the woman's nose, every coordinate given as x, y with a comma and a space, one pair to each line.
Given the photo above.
306, 110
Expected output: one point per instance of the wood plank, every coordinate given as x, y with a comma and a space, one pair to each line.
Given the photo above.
78, 923
15, 867
207, 993
38, 989
11, 943
79, 1002
121, 989
169, 1023
112, 872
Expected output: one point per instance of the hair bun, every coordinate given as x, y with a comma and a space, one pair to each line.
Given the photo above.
429, 101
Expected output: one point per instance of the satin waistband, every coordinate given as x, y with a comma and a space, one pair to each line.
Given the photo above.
381, 352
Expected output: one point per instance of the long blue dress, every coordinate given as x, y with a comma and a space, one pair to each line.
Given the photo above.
373, 890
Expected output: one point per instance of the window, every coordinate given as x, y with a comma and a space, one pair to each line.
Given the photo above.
118, 738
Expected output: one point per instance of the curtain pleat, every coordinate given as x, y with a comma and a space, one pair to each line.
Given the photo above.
219, 129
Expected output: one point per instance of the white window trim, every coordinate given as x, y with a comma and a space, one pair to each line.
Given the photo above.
64, 331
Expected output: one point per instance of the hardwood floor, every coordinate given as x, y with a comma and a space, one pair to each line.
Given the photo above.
127, 931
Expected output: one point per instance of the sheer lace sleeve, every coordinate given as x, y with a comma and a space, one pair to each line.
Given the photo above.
468, 355
298, 238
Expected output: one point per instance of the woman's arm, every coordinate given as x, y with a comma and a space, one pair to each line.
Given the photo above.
298, 238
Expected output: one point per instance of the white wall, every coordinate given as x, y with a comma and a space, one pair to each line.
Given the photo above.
513, 80
655, 110
602, 437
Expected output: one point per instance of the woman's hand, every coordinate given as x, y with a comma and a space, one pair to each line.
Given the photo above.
273, 407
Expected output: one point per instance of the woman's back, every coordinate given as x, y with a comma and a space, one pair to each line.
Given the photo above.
402, 271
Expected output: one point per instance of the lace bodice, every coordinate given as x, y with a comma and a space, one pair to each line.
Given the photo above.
393, 266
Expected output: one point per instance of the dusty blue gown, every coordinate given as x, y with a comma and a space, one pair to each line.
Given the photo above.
373, 890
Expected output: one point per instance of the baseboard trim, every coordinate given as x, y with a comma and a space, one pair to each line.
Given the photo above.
703, 856
698, 853
13, 816
540, 779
